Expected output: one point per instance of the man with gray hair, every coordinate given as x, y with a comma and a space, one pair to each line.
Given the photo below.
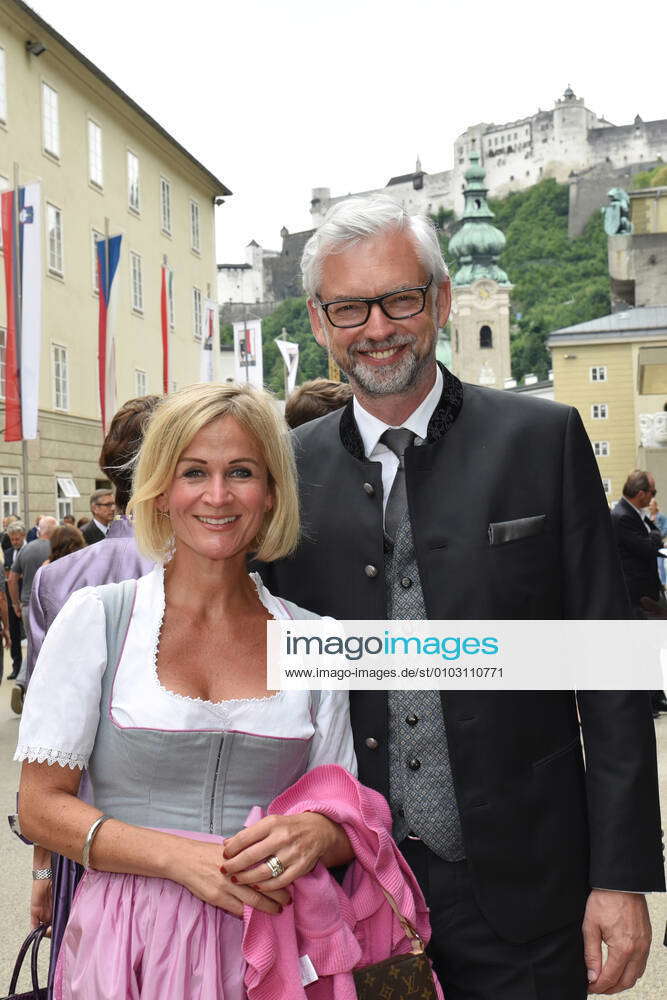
24, 567
103, 509
426, 498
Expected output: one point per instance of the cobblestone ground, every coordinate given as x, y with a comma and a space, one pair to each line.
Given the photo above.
15, 870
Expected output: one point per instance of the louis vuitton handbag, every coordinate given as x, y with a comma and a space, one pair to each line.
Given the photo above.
403, 977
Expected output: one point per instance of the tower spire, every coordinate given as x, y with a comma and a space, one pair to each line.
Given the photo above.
478, 243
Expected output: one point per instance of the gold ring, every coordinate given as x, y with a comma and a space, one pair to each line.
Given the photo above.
276, 866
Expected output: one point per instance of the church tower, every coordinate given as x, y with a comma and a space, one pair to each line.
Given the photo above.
480, 291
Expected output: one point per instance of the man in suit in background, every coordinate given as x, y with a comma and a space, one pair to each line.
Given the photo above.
425, 498
103, 509
639, 540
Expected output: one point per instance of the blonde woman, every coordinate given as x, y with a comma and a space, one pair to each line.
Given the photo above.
159, 689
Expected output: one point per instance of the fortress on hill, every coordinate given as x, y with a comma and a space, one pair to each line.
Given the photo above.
568, 140
569, 143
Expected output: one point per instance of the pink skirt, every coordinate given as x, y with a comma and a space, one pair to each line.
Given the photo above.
130, 936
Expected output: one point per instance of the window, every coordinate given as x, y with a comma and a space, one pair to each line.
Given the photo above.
95, 154
194, 225
601, 449
66, 490
485, 337
60, 378
165, 206
133, 181
3, 87
196, 313
95, 236
10, 494
599, 411
137, 285
598, 373
140, 382
3, 361
54, 222
606, 485
50, 123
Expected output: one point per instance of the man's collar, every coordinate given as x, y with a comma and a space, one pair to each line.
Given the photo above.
441, 419
372, 428
102, 527
637, 511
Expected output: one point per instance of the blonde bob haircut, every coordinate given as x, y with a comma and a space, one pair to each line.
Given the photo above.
174, 423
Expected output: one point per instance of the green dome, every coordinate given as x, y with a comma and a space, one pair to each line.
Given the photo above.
478, 243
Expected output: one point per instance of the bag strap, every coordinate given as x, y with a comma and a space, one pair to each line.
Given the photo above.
411, 933
33, 940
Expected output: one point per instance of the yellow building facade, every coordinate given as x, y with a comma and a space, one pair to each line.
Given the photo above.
602, 368
104, 165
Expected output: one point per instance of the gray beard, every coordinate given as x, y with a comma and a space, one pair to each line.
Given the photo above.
388, 380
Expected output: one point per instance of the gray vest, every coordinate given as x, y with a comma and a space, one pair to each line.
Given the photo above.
204, 781
421, 790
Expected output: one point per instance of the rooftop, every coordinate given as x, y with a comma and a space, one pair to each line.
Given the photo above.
625, 325
214, 181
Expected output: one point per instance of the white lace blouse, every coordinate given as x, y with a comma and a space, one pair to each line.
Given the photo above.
62, 705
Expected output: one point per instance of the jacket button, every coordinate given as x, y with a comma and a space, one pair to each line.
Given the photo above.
371, 743
406, 583
369, 489
412, 719
414, 764
370, 570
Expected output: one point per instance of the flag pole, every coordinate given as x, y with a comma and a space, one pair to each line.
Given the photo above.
17, 315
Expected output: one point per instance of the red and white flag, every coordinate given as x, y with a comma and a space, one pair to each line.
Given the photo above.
210, 342
22, 247
108, 257
248, 358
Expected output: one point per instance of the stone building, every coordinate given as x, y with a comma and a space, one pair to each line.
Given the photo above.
248, 282
555, 143
99, 156
614, 369
480, 291
638, 260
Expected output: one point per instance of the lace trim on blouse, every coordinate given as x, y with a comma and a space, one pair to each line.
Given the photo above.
41, 754
189, 699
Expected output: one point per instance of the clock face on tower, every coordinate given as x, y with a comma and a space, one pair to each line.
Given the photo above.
484, 290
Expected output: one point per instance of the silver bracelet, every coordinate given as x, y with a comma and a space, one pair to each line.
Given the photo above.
88, 842
42, 873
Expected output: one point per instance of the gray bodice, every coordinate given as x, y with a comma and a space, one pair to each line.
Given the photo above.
204, 781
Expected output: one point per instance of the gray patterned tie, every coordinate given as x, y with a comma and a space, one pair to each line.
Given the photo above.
397, 439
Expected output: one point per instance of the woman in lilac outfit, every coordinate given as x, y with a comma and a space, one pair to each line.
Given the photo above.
180, 736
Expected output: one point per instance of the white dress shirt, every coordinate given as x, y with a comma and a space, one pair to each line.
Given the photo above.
372, 428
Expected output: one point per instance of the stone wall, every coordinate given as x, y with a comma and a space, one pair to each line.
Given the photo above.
588, 190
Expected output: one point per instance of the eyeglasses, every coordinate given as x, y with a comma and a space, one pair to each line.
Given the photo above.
401, 304
110, 503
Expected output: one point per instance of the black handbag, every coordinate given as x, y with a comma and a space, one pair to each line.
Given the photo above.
400, 977
31, 943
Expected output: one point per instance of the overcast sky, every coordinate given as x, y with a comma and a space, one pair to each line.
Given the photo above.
279, 96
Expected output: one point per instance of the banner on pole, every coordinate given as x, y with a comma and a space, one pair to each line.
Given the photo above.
248, 363
210, 342
108, 257
22, 246
166, 293
290, 353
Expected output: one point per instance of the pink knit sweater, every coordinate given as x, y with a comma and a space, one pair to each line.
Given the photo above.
338, 928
